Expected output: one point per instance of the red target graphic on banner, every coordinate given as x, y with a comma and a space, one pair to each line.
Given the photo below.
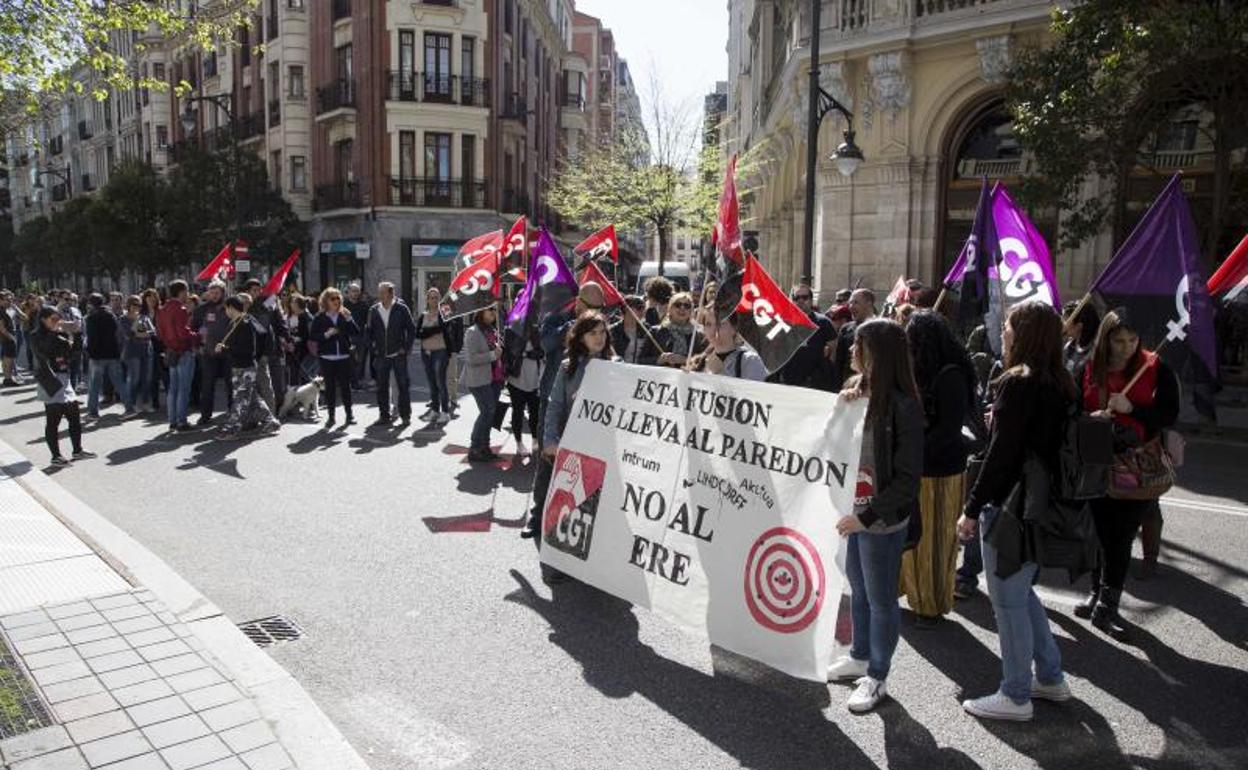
784, 581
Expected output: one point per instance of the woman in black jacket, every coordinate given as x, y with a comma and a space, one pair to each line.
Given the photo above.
53, 350
946, 381
332, 330
885, 505
1034, 397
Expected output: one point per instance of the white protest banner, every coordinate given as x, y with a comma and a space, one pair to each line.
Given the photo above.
712, 501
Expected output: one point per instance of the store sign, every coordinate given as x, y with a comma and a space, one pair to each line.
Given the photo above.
363, 250
434, 250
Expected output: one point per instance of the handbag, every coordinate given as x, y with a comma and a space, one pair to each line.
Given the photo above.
1143, 472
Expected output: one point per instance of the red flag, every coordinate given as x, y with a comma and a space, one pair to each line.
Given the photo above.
600, 245
474, 288
221, 266
611, 295
900, 294
727, 234
515, 246
475, 248
278, 279
1232, 276
767, 319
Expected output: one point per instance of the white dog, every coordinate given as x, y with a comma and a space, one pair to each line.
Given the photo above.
303, 398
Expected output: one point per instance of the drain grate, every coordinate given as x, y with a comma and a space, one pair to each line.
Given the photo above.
21, 710
267, 632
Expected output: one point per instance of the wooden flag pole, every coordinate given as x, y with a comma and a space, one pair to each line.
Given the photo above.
940, 299
642, 324
1140, 372
1078, 309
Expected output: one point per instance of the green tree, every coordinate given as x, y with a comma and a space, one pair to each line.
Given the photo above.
127, 219
1091, 104
49, 48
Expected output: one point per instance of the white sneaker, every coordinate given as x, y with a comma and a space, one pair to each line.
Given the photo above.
868, 695
998, 706
846, 668
1055, 692
442, 418
429, 415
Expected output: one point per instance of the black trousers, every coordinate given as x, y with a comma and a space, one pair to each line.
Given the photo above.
53, 413
523, 401
213, 368
337, 376
1117, 522
402, 378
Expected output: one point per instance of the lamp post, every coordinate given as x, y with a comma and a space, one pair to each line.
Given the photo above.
62, 174
190, 123
847, 156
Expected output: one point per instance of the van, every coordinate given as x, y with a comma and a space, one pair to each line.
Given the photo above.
674, 271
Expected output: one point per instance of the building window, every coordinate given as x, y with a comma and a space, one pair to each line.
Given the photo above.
294, 5
158, 71
467, 57
407, 154
298, 173
407, 65
342, 62
294, 81
468, 170
342, 161
162, 137
244, 45
508, 16
275, 169
438, 156
437, 66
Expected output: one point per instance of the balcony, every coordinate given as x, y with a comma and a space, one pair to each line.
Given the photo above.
438, 89
515, 108
56, 145
210, 65
338, 95
88, 183
437, 193
250, 126
84, 130
336, 195
573, 101
275, 113
515, 202
341, 9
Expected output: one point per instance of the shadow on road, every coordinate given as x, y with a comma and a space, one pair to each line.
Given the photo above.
758, 727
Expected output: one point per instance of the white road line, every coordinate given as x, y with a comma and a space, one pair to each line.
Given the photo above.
1210, 507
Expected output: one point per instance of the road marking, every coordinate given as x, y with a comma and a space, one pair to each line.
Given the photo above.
1210, 507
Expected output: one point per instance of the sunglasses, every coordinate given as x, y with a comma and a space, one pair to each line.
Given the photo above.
682, 305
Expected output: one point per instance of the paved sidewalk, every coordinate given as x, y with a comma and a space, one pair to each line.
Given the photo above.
136, 678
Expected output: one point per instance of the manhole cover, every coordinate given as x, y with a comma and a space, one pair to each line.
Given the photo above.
266, 632
21, 710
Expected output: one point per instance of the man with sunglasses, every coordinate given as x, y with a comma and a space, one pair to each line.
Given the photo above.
809, 367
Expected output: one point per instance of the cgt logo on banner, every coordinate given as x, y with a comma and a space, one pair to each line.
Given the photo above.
711, 501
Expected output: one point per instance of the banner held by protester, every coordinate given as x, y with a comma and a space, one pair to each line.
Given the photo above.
711, 501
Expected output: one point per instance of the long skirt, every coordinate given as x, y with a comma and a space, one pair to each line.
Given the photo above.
927, 570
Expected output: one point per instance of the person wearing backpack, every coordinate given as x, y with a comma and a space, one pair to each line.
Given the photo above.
946, 381
1139, 413
1035, 395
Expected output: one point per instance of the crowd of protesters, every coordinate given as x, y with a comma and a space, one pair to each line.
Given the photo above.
920, 504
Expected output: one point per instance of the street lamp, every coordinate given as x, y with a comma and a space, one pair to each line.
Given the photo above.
62, 174
189, 125
847, 156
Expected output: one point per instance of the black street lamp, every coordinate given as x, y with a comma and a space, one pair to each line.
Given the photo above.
62, 174
189, 125
847, 156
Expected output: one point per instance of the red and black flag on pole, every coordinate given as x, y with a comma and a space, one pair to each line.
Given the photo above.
1231, 278
515, 246
474, 288
611, 295
767, 319
599, 246
726, 237
222, 266
475, 248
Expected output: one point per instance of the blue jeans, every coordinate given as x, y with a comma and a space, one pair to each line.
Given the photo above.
1022, 626
486, 397
384, 367
137, 375
435, 374
972, 563
873, 566
99, 369
181, 375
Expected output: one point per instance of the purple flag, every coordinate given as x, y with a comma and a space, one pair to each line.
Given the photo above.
550, 286
1156, 276
1026, 267
978, 262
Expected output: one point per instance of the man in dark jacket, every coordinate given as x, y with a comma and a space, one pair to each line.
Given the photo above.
103, 352
210, 322
809, 367
391, 333
358, 305
862, 308
270, 357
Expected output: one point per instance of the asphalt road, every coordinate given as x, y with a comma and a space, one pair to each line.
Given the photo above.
436, 649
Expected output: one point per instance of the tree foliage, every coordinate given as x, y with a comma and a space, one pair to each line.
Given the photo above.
50, 48
1091, 104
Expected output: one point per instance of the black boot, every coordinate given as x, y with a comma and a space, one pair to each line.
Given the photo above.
1106, 617
1085, 608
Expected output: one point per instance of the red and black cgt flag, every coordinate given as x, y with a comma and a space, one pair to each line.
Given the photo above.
476, 248
767, 319
474, 288
611, 295
601, 245
515, 246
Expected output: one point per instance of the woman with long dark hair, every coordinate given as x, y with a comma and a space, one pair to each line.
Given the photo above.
484, 377
1034, 396
435, 350
587, 339
53, 346
886, 502
946, 382
1139, 413
158, 371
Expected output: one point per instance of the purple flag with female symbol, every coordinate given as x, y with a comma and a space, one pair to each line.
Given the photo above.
549, 287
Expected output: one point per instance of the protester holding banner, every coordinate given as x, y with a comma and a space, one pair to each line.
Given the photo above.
435, 347
1034, 396
1139, 391
885, 506
809, 367
587, 339
676, 334
484, 377
946, 382
332, 330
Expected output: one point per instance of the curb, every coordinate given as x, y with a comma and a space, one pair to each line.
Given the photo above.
307, 734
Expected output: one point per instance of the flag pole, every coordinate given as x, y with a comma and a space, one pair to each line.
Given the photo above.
644, 328
1078, 308
1140, 372
693, 338
940, 298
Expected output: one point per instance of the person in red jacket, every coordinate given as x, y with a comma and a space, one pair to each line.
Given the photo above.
173, 326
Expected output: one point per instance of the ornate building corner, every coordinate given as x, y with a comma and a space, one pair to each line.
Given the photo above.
994, 58
890, 85
832, 76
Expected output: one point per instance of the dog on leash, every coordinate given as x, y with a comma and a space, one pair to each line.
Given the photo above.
303, 398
